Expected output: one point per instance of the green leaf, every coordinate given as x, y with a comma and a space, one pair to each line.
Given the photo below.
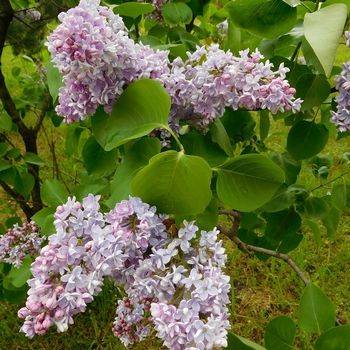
5, 121
143, 106
209, 218
219, 136
266, 18
278, 239
316, 311
176, 13
239, 125
239, 343
54, 80
313, 89
72, 139
337, 338
19, 276
339, 195
322, 30
306, 139
91, 184
316, 207
33, 158
4, 165
264, 126
53, 193
136, 157
96, 160
331, 220
45, 218
315, 230
247, 182
133, 9
23, 182
174, 182
202, 146
280, 334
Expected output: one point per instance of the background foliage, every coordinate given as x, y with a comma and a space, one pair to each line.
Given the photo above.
286, 174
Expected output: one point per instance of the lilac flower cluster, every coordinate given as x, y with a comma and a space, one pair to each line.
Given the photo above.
184, 278
212, 79
93, 52
20, 241
86, 247
97, 59
341, 117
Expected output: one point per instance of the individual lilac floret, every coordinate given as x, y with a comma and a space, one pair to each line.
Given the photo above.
347, 37
96, 58
341, 118
190, 292
212, 79
87, 247
20, 241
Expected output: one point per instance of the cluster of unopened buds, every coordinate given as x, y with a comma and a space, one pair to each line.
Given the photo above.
19, 242
97, 59
173, 279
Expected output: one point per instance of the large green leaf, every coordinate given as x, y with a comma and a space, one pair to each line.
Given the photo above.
266, 18
239, 343
96, 159
143, 106
337, 338
133, 9
306, 139
322, 30
53, 193
248, 181
136, 157
176, 183
316, 311
280, 334
176, 13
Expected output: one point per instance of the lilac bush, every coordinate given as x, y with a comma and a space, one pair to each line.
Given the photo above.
20, 241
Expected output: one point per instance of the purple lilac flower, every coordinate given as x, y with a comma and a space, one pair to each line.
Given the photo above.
20, 241
189, 292
347, 37
87, 247
93, 52
97, 59
212, 79
341, 118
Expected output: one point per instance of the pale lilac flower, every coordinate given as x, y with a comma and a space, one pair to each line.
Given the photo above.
19, 242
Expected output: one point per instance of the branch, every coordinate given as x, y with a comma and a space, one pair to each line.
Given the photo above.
28, 211
6, 16
231, 234
41, 115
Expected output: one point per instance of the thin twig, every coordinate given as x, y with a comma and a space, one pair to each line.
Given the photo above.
330, 181
232, 235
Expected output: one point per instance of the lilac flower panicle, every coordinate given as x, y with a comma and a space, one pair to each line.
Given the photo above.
20, 241
98, 59
341, 117
87, 247
188, 290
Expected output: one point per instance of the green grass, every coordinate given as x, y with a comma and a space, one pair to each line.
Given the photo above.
260, 290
